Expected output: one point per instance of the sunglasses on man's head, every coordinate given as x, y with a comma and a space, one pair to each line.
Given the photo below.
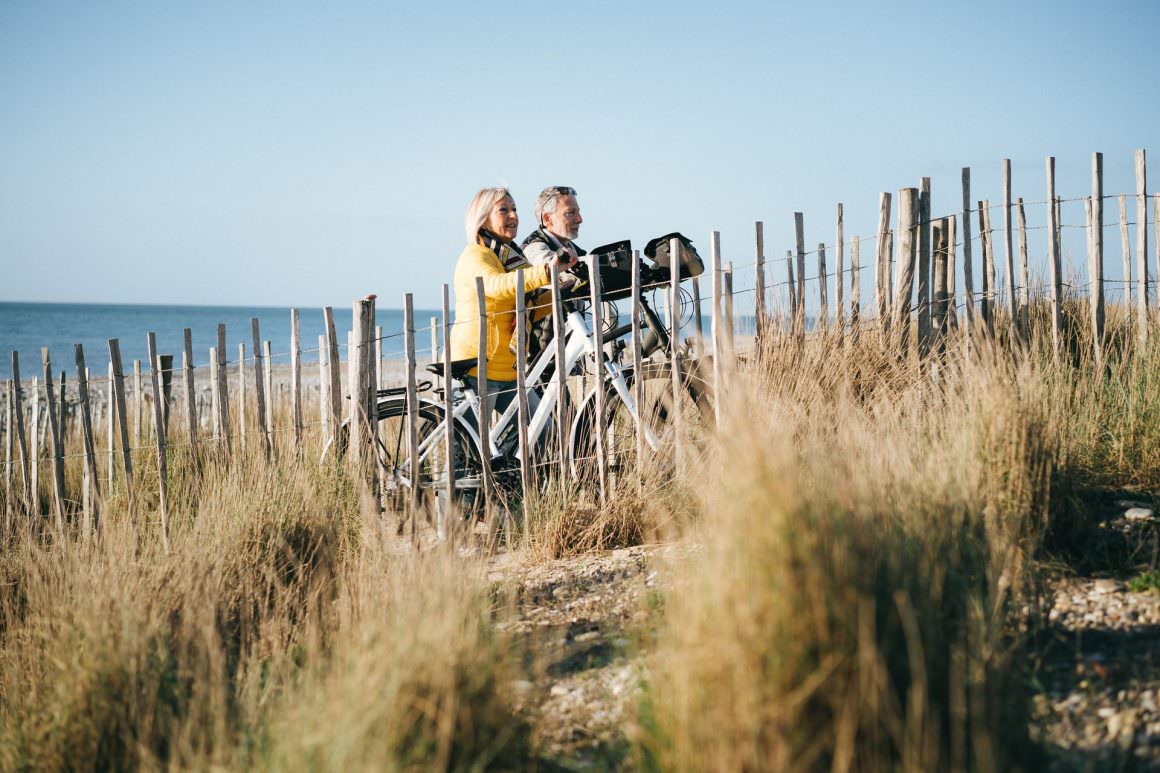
564, 190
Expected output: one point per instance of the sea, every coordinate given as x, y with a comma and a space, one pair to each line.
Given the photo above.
26, 328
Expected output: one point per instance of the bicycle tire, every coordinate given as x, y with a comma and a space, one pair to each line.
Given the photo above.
620, 427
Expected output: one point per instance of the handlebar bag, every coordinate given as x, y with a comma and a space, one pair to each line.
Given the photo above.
689, 261
615, 261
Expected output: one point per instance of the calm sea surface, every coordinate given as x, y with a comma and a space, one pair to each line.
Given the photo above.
26, 327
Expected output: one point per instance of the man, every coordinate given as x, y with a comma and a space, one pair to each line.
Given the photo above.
558, 215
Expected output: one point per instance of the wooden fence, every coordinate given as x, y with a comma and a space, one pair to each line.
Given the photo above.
251, 405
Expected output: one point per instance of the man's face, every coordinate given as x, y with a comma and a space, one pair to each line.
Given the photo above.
566, 220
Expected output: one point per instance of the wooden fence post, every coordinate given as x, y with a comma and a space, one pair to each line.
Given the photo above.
35, 433
92, 509
758, 289
357, 355
952, 257
190, 394
675, 363
260, 386
715, 322
1024, 272
110, 426
924, 290
522, 412
223, 385
138, 402
378, 358
1096, 265
800, 245
823, 288
1142, 247
296, 378
727, 285
323, 389
1053, 263
335, 377
62, 415
855, 283
215, 394
698, 326
8, 445
271, 402
159, 435
988, 267
484, 404
598, 339
21, 441
558, 332
939, 308
840, 272
638, 367
123, 425
242, 413
412, 408
791, 285
57, 447
882, 264
968, 263
1126, 256
907, 218
1009, 245
448, 518
435, 340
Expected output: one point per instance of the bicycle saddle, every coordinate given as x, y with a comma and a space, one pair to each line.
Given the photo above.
459, 368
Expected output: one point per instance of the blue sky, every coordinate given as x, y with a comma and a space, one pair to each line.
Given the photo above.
305, 154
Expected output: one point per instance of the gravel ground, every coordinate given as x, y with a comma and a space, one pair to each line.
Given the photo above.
1098, 673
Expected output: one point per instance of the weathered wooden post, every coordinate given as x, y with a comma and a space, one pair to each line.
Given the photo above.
840, 272
358, 420
922, 272
159, 435
215, 394
54, 424
799, 229
8, 437
1053, 263
968, 265
412, 411
1096, 265
558, 332
638, 368
714, 326
675, 363
138, 402
907, 218
522, 412
259, 386
1142, 247
882, 264
485, 404
123, 425
223, 385
323, 389
271, 402
823, 288
110, 427
758, 288
597, 428
727, 285
988, 305
448, 515
791, 285
1024, 272
190, 394
1126, 257
242, 422
855, 283
92, 509
35, 442
296, 379
21, 441
939, 310
1009, 245
334, 390
952, 256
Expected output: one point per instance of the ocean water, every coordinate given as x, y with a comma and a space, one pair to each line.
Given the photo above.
27, 327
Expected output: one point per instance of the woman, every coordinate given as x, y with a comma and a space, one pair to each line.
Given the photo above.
491, 253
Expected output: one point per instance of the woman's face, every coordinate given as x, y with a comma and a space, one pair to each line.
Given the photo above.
503, 220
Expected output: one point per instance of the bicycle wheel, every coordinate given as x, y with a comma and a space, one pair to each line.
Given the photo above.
395, 460
620, 443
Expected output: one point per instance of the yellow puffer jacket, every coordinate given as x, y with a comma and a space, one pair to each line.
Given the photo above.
499, 290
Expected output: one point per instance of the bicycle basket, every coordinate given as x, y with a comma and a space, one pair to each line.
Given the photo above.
690, 262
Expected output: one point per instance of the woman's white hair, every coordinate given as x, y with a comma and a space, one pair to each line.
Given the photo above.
479, 209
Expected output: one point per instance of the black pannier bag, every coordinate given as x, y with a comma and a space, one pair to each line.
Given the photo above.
689, 261
615, 261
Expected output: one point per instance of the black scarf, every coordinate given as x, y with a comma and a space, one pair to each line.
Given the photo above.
509, 254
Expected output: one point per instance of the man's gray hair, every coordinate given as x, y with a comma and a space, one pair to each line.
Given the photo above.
548, 198
479, 209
